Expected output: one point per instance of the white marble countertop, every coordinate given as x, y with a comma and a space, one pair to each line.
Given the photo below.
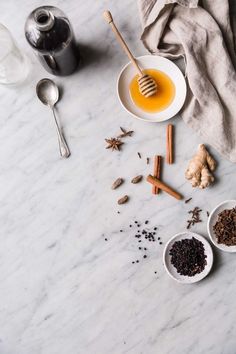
63, 289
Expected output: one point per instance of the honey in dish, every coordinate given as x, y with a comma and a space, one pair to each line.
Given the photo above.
158, 102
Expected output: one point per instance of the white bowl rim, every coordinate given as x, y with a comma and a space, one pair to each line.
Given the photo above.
224, 248
200, 238
133, 114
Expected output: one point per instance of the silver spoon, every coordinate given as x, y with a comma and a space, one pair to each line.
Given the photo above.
48, 93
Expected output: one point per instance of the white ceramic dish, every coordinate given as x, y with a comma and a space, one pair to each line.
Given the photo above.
228, 204
152, 62
171, 270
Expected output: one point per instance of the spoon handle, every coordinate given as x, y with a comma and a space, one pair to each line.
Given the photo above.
109, 19
63, 147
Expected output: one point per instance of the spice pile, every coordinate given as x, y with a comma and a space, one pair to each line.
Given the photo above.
225, 227
188, 256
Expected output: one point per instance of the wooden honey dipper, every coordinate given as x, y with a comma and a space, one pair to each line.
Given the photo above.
147, 85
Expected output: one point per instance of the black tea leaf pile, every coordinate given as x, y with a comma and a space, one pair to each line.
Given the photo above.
188, 256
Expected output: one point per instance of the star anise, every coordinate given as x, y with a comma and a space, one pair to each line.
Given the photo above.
125, 133
113, 144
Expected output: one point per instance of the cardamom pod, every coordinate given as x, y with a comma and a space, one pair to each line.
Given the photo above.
123, 200
137, 179
117, 183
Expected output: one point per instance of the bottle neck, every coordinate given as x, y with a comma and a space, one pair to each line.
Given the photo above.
44, 19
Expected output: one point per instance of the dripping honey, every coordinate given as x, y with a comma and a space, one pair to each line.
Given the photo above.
158, 102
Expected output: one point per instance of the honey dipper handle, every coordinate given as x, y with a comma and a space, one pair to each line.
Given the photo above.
108, 18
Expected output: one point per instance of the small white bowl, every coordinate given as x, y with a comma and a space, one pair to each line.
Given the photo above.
171, 270
228, 204
152, 62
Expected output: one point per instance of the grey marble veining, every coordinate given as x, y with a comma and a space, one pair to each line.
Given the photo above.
63, 289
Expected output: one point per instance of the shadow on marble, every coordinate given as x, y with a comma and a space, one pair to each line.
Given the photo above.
217, 262
89, 55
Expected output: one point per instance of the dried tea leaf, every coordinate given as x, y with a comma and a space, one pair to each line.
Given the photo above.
118, 182
137, 179
123, 200
139, 155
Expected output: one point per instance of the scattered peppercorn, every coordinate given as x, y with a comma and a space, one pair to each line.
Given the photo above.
143, 235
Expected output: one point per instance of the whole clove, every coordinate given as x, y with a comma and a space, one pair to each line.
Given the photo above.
225, 227
195, 217
125, 133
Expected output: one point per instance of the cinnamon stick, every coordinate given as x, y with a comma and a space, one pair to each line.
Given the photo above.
159, 184
156, 172
169, 144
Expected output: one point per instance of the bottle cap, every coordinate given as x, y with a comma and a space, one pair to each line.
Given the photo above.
44, 19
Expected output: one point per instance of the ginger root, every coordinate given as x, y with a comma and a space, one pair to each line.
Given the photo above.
200, 168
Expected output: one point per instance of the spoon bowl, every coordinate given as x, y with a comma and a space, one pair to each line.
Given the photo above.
47, 91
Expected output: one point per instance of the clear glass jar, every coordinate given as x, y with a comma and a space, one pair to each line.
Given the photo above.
14, 65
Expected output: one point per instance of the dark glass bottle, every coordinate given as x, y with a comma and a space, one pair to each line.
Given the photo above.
49, 33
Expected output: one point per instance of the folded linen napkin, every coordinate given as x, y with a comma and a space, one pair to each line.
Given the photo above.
201, 32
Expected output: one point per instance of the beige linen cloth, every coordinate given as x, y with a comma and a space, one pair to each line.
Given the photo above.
201, 32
